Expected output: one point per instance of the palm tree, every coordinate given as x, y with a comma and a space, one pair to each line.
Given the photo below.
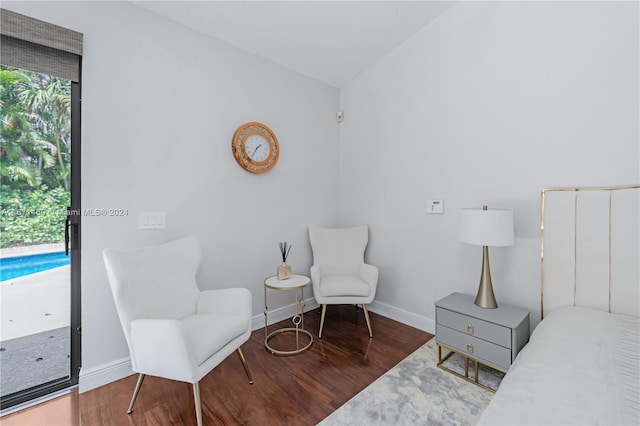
15, 130
35, 112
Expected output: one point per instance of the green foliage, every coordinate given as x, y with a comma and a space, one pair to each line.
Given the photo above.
35, 154
32, 217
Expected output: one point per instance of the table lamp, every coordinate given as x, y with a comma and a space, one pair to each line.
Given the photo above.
486, 227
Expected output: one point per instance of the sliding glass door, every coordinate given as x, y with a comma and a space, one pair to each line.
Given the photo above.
39, 353
39, 214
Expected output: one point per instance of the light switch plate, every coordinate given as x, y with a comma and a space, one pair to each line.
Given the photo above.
152, 220
435, 206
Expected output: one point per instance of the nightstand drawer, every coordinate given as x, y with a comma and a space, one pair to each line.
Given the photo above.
473, 347
471, 326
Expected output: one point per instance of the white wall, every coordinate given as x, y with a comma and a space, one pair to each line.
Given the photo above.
488, 104
160, 106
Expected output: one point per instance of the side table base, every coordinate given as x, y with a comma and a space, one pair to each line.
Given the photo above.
299, 349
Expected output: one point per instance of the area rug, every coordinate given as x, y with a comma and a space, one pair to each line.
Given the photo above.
417, 392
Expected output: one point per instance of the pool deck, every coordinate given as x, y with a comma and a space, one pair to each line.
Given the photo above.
36, 302
34, 324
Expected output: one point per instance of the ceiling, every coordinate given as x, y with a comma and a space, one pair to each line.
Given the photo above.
331, 41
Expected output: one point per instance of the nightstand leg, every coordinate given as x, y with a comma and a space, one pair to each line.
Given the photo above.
466, 367
466, 359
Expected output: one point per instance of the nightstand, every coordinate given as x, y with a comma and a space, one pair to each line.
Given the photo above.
492, 337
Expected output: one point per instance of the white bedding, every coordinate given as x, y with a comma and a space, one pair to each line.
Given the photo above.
581, 366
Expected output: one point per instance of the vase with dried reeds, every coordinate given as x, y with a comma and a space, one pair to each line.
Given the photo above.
284, 270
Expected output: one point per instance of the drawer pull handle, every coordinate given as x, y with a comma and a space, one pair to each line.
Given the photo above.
470, 329
470, 348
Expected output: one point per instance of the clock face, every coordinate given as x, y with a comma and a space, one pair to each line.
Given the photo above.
255, 147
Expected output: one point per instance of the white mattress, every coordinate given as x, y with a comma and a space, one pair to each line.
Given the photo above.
581, 366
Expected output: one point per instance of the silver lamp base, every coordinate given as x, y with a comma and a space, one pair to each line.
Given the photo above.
485, 298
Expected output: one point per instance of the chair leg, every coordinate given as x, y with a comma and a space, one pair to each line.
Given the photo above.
324, 311
366, 316
135, 393
196, 397
244, 364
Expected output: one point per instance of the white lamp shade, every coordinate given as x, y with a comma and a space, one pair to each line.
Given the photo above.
491, 227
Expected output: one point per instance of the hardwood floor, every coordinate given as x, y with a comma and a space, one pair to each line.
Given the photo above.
300, 390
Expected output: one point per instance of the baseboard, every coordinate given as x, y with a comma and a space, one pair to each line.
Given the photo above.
409, 318
91, 378
279, 314
101, 375
418, 321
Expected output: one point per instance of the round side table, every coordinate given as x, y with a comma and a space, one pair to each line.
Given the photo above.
296, 283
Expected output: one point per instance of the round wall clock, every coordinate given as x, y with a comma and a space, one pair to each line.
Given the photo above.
255, 147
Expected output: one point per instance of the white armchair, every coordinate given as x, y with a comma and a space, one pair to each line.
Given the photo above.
173, 329
339, 274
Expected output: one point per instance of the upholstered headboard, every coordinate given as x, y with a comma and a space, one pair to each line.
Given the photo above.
591, 249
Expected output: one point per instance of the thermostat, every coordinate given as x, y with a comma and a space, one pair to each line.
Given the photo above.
435, 206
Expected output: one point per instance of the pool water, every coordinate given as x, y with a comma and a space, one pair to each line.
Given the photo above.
18, 266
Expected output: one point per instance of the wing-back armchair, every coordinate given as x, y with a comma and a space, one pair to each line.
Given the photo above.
173, 329
339, 274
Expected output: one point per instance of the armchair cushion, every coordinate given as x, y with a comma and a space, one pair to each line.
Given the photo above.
343, 285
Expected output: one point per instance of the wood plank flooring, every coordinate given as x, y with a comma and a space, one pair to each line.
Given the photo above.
293, 390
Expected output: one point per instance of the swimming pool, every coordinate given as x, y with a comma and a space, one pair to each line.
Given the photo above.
18, 266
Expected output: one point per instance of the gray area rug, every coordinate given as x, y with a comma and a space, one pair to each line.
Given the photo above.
417, 392
33, 360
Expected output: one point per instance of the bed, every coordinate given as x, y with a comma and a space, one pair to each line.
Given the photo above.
581, 365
